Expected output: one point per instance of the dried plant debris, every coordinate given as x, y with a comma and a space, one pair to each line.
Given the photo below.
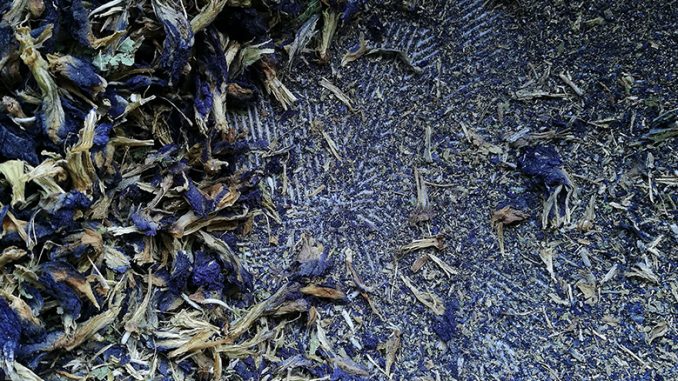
544, 166
437, 242
363, 49
504, 217
430, 300
391, 348
663, 128
124, 190
423, 209
151, 231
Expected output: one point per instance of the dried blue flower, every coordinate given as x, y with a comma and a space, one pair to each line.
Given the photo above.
181, 271
203, 99
62, 212
65, 284
178, 37
79, 72
212, 57
351, 8
7, 42
312, 259
142, 82
544, 166
119, 352
45, 343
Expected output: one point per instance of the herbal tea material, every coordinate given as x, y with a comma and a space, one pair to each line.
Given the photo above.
124, 190
339, 190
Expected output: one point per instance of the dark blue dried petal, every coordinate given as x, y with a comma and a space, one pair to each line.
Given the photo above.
79, 23
74, 113
544, 164
211, 55
198, 202
75, 200
118, 103
46, 343
203, 98
119, 352
62, 215
16, 144
445, 326
36, 301
8, 43
239, 277
351, 9
141, 82
181, 270
10, 332
207, 272
167, 301
101, 134
145, 225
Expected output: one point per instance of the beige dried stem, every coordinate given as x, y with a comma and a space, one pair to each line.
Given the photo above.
354, 55
273, 86
324, 82
546, 255
239, 327
45, 175
356, 277
437, 242
585, 224
422, 210
78, 158
301, 39
552, 208
88, 329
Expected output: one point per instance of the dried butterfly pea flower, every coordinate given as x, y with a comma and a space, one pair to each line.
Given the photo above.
178, 37
52, 112
79, 72
140, 172
544, 166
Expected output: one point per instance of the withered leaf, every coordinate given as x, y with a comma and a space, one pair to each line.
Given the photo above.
391, 347
508, 216
323, 292
433, 302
